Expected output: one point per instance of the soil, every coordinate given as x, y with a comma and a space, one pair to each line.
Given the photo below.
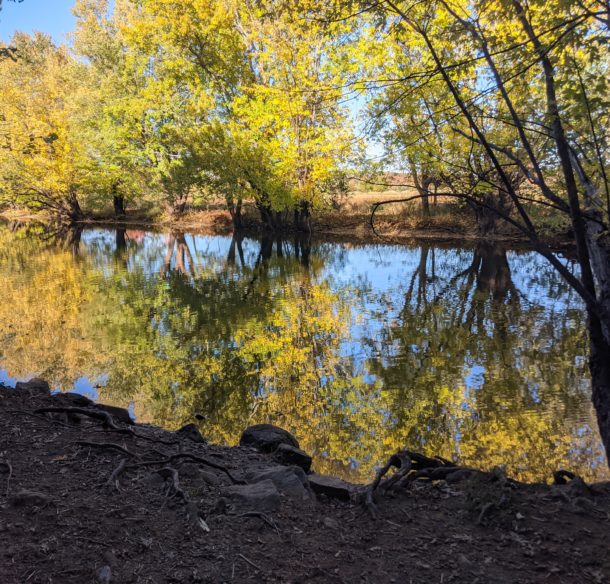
63, 521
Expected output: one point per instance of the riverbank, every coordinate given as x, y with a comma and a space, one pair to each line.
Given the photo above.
350, 221
87, 497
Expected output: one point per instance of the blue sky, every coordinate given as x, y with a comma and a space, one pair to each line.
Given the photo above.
50, 16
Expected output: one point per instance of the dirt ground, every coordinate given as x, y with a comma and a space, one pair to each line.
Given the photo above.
63, 521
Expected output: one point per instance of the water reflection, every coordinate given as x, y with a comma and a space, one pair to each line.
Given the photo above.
472, 353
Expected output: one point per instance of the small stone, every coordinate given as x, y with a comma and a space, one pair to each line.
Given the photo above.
332, 487
191, 432
289, 480
262, 496
36, 386
118, 414
104, 575
287, 454
267, 437
210, 478
26, 498
191, 471
330, 523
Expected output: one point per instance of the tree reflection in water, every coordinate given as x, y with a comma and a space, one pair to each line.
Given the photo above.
476, 354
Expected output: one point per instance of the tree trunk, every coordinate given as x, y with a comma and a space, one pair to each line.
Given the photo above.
235, 247
71, 237
494, 273
302, 217
487, 217
235, 208
120, 241
302, 249
118, 202
272, 220
266, 216
425, 200
179, 205
421, 189
599, 365
73, 209
266, 250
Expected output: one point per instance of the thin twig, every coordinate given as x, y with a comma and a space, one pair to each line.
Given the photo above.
250, 562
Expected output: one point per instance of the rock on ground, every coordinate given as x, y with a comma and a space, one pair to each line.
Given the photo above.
191, 432
267, 437
332, 487
287, 454
289, 480
262, 496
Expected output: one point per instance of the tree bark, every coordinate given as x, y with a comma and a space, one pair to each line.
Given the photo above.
599, 365
302, 217
179, 205
420, 187
118, 202
73, 209
120, 241
235, 210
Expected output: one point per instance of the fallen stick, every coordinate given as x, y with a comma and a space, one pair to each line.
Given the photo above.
250, 562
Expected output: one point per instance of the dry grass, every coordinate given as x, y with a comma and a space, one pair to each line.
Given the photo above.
349, 219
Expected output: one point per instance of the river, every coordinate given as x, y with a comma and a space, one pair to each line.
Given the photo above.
476, 353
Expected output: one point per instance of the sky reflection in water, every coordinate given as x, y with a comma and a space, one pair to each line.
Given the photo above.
473, 353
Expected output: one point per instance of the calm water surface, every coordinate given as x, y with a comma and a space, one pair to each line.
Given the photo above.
474, 353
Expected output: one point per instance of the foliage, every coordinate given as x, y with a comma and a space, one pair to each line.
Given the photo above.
42, 160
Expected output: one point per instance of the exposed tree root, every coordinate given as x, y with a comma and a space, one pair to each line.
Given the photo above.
108, 423
106, 419
411, 466
157, 440
562, 476
173, 490
194, 458
107, 445
484, 510
113, 480
39, 417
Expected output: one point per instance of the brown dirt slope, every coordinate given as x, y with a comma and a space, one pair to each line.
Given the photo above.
63, 521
